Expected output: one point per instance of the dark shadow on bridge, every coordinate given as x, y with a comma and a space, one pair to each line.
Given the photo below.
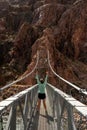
34, 124
48, 117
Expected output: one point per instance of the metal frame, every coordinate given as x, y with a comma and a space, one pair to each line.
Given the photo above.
83, 91
60, 102
26, 101
26, 109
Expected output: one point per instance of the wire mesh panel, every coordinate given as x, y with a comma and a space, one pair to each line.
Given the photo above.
17, 111
69, 113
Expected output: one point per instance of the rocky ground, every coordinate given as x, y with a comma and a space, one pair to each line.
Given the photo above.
58, 26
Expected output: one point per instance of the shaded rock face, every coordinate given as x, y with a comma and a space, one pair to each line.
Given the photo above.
17, 15
42, 26
71, 32
48, 14
67, 1
22, 46
7, 73
4, 5
50, 1
4, 49
2, 25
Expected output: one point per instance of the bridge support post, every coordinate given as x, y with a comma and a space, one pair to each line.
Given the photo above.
1, 123
71, 124
11, 125
59, 109
26, 110
31, 103
54, 103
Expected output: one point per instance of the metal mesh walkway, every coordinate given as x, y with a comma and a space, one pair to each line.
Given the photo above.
43, 120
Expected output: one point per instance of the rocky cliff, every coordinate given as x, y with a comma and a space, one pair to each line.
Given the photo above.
58, 26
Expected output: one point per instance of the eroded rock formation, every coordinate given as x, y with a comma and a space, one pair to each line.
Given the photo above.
57, 26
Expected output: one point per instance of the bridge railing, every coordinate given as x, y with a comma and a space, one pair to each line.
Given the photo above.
20, 105
23, 77
83, 91
69, 113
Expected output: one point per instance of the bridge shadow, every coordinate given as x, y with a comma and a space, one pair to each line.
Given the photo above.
48, 117
34, 125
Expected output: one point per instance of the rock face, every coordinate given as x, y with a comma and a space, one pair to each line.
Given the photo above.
57, 26
67, 1
48, 14
72, 32
2, 26
22, 46
17, 15
4, 5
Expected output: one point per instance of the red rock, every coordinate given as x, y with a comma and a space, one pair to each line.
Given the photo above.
4, 5
2, 25
48, 14
22, 46
59, 28
71, 31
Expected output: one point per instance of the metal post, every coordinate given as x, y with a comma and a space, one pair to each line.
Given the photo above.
71, 124
11, 124
54, 103
58, 109
26, 110
21, 111
1, 123
30, 104
13, 118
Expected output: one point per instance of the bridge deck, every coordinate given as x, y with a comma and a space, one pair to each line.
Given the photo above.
43, 120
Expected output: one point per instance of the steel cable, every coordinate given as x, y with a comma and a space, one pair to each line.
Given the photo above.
14, 82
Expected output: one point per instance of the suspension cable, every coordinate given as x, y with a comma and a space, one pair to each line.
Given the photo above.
74, 86
22, 78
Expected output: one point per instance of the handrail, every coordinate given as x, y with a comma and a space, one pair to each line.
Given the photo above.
26, 104
74, 86
7, 86
64, 98
8, 101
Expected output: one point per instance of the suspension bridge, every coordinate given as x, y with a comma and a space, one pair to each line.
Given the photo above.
19, 112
